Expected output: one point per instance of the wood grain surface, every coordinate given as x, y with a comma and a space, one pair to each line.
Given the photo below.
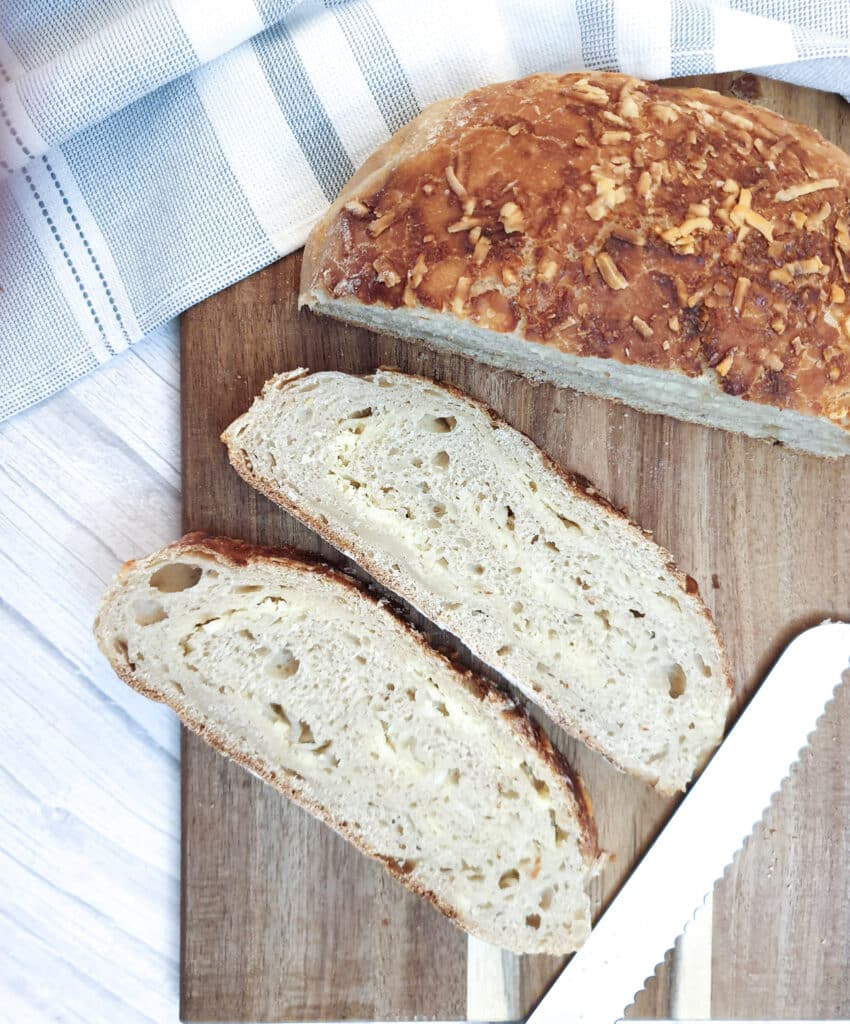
282, 921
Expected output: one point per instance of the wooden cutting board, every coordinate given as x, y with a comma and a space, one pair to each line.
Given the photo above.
283, 921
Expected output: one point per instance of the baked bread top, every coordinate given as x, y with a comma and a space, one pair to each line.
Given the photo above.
605, 216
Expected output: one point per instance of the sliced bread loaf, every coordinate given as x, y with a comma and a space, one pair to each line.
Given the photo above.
684, 252
292, 670
473, 525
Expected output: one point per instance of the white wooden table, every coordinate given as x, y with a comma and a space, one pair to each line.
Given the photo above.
89, 770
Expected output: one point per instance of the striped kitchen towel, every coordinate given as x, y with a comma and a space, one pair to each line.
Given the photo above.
155, 151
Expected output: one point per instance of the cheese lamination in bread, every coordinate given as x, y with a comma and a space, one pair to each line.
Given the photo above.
469, 522
671, 248
294, 672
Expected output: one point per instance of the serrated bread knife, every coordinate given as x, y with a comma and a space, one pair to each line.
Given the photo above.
686, 860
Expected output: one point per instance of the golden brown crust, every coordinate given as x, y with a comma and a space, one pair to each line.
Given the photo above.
671, 228
239, 553
573, 481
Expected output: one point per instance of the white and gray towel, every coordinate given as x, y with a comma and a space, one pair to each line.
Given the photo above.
155, 151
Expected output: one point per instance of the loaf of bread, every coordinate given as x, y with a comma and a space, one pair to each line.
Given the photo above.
670, 248
293, 671
469, 522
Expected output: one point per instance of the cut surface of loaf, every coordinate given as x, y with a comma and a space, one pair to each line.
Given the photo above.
292, 670
468, 521
674, 249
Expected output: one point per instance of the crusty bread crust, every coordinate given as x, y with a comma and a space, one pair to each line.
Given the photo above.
669, 228
493, 702
573, 481
369, 178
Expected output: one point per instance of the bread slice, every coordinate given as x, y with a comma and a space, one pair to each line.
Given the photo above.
671, 248
469, 522
290, 669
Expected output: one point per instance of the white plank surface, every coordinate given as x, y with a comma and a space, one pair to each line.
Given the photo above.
89, 771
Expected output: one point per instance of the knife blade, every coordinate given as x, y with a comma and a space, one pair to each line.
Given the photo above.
687, 859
